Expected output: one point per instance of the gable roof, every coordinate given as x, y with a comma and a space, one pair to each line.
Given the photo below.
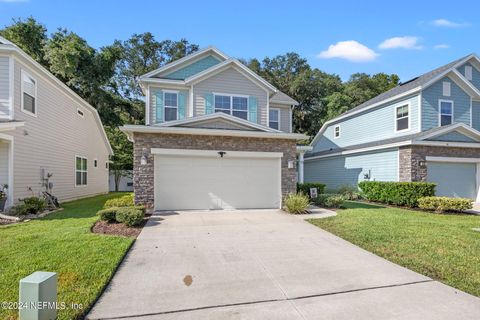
218, 115
411, 87
10, 47
276, 96
419, 138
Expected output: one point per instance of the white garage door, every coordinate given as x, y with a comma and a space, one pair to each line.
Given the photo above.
203, 180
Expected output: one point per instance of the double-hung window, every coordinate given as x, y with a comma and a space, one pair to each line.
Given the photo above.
336, 132
81, 171
233, 105
446, 112
29, 94
274, 118
402, 118
171, 105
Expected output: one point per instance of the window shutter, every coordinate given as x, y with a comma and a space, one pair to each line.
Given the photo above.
159, 106
208, 103
181, 105
252, 109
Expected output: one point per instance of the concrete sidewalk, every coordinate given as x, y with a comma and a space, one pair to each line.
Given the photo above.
266, 265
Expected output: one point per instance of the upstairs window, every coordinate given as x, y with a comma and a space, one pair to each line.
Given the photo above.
170, 105
402, 118
81, 171
29, 94
234, 105
336, 132
274, 118
446, 112
468, 72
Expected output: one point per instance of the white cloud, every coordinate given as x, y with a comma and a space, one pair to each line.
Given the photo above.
449, 24
350, 50
406, 42
441, 46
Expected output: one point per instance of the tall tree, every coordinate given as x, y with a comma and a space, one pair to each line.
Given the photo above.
141, 54
29, 35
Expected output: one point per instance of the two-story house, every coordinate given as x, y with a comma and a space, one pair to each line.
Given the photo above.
425, 129
216, 136
50, 138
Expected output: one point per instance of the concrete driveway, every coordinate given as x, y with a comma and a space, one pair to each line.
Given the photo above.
266, 264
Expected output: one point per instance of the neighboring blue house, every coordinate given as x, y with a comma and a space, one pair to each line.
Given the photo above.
425, 129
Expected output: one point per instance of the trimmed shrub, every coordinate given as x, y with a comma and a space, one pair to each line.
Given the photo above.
124, 201
444, 204
397, 193
129, 216
349, 192
19, 210
329, 200
305, 187
108, 214
31, 205
296, 203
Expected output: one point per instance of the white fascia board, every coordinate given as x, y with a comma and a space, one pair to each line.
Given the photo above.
183, 60
459, 127
45, 74
7, 126
164, 81
452, 159
447, 144
287, 103
360, 150
212, 132
466, 84
399, 96
214, 153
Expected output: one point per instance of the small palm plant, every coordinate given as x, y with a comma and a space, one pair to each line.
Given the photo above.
296, 203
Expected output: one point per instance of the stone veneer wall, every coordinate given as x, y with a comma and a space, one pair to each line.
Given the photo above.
410, 157
143, 184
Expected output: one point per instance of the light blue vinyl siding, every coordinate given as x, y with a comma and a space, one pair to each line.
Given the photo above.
453, 179
430, 97
194, 68
371, 125
350, 169
453, 136
475, 74
476, 115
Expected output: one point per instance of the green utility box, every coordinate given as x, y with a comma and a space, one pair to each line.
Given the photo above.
38, 296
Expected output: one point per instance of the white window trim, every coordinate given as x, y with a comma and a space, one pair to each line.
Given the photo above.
169, 91
75, 163
277, 120
335, 131
469, 75
25, 73
231, 95
440, 111
445, 85
78, 113
409, 117
95, 161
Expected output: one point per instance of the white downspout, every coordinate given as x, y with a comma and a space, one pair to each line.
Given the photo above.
300, 166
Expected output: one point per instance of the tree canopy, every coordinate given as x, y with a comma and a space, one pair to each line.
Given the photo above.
107, 77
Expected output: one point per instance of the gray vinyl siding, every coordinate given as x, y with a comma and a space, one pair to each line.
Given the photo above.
230, 81
4, 86
52, 139
3, 163
285, 116
350, 169
434, 93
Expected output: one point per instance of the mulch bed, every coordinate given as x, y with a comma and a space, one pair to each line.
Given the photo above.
118, 229
6, 221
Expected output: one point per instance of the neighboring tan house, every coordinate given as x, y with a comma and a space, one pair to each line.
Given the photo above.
425, 129
217, 136
47, 130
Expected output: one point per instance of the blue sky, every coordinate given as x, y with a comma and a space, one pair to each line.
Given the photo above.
342, 37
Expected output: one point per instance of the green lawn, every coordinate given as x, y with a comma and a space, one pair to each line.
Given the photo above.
443, 247
62, 243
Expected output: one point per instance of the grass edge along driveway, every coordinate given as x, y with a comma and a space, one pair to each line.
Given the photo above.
62, 243
443, 247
